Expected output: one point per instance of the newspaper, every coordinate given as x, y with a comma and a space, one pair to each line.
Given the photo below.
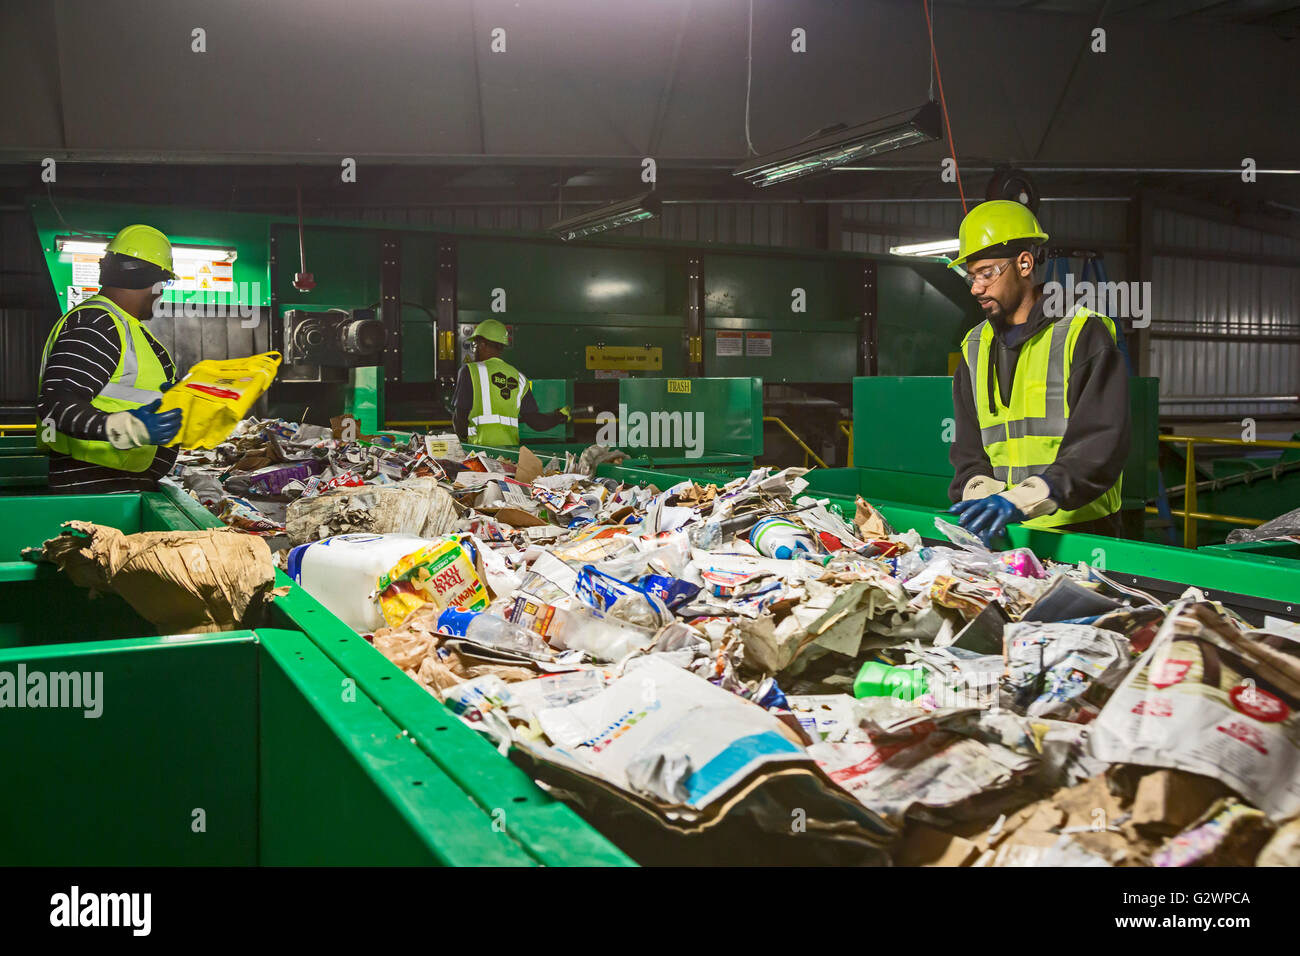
1214, 700
663, 731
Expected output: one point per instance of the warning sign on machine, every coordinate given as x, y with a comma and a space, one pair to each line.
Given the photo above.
729, 343
758, 343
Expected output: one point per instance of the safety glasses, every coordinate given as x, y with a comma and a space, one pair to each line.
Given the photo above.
986, 274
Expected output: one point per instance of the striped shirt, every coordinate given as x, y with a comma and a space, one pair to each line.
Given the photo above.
81, 363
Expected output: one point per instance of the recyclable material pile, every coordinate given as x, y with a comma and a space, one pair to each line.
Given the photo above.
755, 670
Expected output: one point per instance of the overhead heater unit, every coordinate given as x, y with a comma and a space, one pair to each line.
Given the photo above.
842, 146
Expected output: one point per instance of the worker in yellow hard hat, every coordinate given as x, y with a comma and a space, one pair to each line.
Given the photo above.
1041, 400
492, 396
103, 375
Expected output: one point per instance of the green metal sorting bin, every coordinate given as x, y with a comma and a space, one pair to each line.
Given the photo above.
286, 755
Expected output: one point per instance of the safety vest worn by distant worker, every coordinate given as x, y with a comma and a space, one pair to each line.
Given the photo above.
1021, 437
499, 389
136, 381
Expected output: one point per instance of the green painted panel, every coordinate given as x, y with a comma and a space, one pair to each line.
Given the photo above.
344, 262
551, 394
780, 354
123, 787
772, 288
880, 484
44, 607
551, 832
28, 521
900, 424
923, 309
551, 276
731, 409
341, 785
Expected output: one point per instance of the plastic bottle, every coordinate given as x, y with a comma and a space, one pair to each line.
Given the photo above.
483, 628
881, 680
581, 628
778, 538
341, 572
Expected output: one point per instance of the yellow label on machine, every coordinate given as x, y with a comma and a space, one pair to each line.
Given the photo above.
625, 357
682, 386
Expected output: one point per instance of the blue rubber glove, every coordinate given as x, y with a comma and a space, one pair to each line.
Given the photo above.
166, 385
987, 517
162, 426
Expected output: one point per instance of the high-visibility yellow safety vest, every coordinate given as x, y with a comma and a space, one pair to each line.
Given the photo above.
1021, 437
499, 388
137, 380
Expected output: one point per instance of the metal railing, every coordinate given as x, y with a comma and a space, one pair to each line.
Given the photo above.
807, 452
5, 429
1189, 514
846, 426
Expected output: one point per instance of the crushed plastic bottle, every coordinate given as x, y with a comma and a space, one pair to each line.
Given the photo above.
483, 628
581, 628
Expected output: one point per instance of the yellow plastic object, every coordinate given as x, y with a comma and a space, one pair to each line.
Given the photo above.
441, 574
215, 394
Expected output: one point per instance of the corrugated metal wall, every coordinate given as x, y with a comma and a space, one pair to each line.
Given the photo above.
1247, 301
765, 224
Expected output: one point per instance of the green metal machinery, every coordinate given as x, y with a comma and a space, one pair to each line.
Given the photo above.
589, 314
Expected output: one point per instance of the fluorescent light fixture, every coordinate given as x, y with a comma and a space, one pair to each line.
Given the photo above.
605, 218
821, 153
97, 247
204, 253
79, 246
937, 247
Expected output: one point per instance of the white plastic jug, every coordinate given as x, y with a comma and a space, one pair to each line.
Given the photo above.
342, 572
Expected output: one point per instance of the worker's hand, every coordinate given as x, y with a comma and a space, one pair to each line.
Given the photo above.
981, 486
143, 426
1033, 496
987, 517
166, 385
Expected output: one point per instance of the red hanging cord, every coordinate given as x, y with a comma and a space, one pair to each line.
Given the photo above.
934, 58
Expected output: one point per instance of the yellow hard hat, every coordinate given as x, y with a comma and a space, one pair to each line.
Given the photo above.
491, 330
994, 223
146, 243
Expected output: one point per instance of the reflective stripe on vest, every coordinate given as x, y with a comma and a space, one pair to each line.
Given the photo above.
1022, 436
493, 419
126, 389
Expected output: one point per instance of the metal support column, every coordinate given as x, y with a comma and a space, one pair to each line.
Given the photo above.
390, 298
447, 323
869, 350
695, 316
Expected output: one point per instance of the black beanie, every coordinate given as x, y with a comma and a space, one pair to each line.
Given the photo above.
127, 272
